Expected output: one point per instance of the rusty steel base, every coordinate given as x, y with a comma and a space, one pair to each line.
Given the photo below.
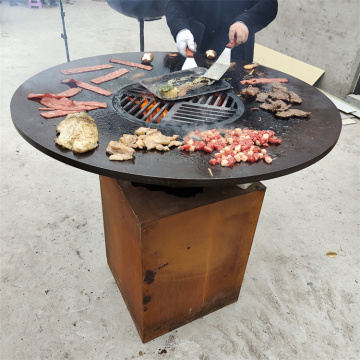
177, 254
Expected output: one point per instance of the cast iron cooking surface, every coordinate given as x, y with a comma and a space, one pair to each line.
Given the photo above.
304, 142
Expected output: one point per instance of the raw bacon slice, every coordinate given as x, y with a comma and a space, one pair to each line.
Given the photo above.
129, 63
67, 93
87, 86
110, 76
69, 105
56, 113
263, 81
86, 69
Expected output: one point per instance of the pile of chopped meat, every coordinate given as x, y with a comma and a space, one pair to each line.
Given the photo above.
278, 101
143, 138
235, 146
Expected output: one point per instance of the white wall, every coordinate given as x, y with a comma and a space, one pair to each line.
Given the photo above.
322, 33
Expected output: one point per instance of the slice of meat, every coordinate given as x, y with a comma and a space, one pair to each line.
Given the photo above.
250, 91
69, 105
86, 86
275, 105
263, 81
78, 132
261, 97
56, 113
111, 76
294, 98
277, 94
292, 113
119, 151
276, 85
67, 93
133, 64
86, 69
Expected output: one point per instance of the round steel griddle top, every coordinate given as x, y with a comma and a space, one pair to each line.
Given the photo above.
304, 141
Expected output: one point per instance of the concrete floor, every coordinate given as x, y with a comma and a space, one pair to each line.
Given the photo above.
58, 297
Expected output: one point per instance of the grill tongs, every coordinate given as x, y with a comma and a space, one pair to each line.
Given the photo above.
219, 68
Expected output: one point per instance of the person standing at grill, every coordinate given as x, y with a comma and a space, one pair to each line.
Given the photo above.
211, 24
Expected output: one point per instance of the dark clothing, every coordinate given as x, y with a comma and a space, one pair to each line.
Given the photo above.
210, 20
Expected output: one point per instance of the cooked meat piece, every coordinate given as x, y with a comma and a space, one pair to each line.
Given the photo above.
250, 91
119, 151
261, 97
78, 132
120, 157
275, 105
175, 143
161, 147
294, 98
145, 131
292, 113
279, 95
128, 140
144, 138
276, 85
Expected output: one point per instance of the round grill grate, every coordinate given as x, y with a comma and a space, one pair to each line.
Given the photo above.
137, 104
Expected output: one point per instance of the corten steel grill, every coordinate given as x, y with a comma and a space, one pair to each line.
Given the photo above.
170, 270
303, 141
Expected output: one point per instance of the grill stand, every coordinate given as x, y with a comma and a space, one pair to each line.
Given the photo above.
177, 256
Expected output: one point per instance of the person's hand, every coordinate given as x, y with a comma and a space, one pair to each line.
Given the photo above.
239, 33
185, 39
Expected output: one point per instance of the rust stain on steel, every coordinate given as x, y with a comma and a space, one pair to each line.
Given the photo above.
149, 276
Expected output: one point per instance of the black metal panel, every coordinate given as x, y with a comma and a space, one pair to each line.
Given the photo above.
139, 9
305, 141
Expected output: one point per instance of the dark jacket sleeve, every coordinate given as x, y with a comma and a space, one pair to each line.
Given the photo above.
258, 15
177, 15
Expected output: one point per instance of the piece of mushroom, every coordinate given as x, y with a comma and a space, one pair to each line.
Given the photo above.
147, 58
211, 54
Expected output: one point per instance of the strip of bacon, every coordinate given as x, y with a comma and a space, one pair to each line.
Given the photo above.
110, 76
263, 81
129, 63
86, 69
67, 93
69, 105
56, 113
87, 86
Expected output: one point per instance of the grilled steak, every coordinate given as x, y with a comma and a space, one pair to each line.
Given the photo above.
294, 98
275, 105
276, 85
261, 97
279, 95
292, 113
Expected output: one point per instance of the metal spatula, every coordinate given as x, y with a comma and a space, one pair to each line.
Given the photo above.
190, 61
218, 69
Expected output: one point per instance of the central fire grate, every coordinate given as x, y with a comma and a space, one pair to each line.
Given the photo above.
137, 104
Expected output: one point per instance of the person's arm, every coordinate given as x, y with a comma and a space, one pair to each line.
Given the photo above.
177, 17
177, 14
259, 15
